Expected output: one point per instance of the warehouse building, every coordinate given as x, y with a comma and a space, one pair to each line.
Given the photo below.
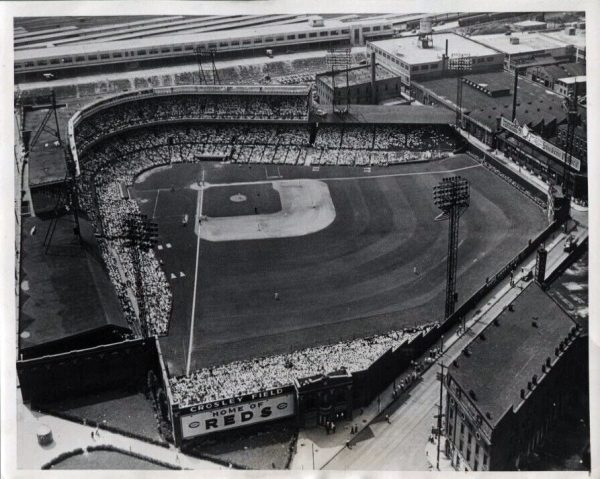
420, 57
531, 140
365, 86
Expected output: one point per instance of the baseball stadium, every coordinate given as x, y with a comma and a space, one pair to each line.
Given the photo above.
256, 244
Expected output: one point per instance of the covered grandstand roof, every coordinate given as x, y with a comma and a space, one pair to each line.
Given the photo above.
392, 114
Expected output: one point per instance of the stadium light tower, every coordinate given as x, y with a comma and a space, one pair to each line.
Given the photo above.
452, 197
209, 73
339, 57
459, 62
141, 235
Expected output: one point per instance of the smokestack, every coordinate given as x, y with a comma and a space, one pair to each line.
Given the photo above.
514, 109
446, 48
373, 79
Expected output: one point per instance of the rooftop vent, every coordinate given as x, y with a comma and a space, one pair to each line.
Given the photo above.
514, 40
455, 363
534, 380
548, 362
496, 322
488, 415
482, 337
522, 393
472, 395
467, 352
529, 385
534, 323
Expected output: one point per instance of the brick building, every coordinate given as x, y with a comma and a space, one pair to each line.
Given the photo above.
504, 393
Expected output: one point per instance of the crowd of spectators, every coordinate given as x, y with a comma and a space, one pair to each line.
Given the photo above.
104, 169
245, 377
190, 107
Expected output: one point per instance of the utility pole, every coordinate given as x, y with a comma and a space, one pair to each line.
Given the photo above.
452, 196
440, 414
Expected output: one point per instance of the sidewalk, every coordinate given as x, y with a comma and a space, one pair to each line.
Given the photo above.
315, 449
70, 435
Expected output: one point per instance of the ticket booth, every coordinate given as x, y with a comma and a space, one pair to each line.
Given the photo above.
324, 397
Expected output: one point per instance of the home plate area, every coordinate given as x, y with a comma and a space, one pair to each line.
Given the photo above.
275, 209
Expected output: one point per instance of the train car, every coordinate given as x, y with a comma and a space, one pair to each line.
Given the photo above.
282, 37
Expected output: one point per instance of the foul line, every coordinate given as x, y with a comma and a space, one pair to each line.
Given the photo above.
155, 204
198, 216
348, 178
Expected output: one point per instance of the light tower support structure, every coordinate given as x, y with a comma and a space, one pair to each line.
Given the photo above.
460, 63
452, 196
339, 57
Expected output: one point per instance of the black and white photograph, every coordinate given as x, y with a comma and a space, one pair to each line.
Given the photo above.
293, 237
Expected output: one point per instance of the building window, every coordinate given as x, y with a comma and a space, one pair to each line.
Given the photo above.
177, 49
79, 59
387, 27
141, 52
470, 437
258, 40
462, 428
291, 37
468, 455
279, 39
165, 50
425, 67
54, 61
104, 56
212, 45
302, 35
434, 66
268, 40
312, 34
461, 444
95, 57
188, 48
235, 43
334, 32
477, 449
153, 51
485, 458
345, 31
415, 68
366, 29
376, 28
117, 55
476, 465
246, 42
322, 34
223, 44
489, 59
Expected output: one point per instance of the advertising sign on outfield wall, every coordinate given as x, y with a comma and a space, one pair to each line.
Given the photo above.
237, 412
527, 135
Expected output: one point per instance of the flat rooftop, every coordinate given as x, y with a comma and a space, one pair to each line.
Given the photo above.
530, 23
392, 114
577, 40
407, 49
358, 76
505, 357
534, 102
528, 42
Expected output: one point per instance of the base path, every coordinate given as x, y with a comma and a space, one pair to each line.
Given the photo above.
306, 207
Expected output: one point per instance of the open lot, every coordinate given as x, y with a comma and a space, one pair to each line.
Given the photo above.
352, 278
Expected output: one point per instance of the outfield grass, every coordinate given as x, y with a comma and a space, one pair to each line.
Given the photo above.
354, 278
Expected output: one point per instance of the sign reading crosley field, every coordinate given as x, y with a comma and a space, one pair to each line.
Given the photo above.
236, 412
